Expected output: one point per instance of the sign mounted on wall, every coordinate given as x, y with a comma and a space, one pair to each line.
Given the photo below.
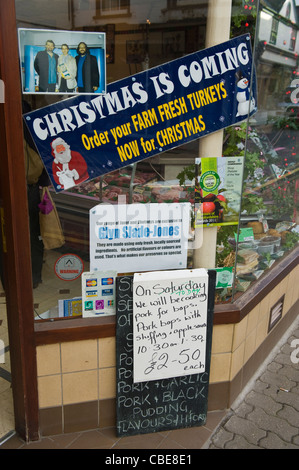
145, 114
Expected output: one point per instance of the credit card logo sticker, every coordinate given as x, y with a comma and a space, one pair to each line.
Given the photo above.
91, 293
88, 305
99, 304
107, 291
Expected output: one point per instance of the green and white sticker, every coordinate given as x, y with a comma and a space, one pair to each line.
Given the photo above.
209, 181
224, 277
246, 234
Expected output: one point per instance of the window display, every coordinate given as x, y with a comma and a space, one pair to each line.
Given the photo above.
238, 184
265, 207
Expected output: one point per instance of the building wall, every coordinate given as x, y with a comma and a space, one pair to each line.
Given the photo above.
234, 344
77, 380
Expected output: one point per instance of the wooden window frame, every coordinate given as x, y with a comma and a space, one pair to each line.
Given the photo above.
16, 257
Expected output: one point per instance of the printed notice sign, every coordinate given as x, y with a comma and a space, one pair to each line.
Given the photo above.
146, 114
169, 323
219, 191
139, 237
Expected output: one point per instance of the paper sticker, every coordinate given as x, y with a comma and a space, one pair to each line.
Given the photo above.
69, 267
169, 323
97, 300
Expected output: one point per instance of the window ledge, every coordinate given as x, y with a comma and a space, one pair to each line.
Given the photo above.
78, 329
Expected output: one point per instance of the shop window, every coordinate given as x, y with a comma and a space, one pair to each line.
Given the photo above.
288, 10
181, 3
274, 31
112, 7
293, 39
136, 42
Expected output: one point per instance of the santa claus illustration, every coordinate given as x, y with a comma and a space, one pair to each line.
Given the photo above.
69, 167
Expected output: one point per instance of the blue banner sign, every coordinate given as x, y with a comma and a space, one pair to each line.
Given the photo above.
143, 115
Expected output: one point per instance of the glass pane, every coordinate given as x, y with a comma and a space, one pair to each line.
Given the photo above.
139, 36
270, 198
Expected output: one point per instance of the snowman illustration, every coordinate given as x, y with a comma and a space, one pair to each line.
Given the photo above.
244, 106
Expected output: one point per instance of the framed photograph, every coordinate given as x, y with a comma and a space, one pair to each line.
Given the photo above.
62, 62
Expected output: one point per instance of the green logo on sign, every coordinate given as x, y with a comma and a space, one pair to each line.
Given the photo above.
209, 181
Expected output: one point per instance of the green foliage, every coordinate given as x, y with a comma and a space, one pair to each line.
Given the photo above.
243, 17
232, 139
224, 233
234, 145
252, 163
188, 173
292, 239
286, 122
282, 196
252, 203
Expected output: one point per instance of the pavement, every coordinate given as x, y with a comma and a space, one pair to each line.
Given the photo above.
266, 415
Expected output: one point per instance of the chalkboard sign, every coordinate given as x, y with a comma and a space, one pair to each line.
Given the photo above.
156, 405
